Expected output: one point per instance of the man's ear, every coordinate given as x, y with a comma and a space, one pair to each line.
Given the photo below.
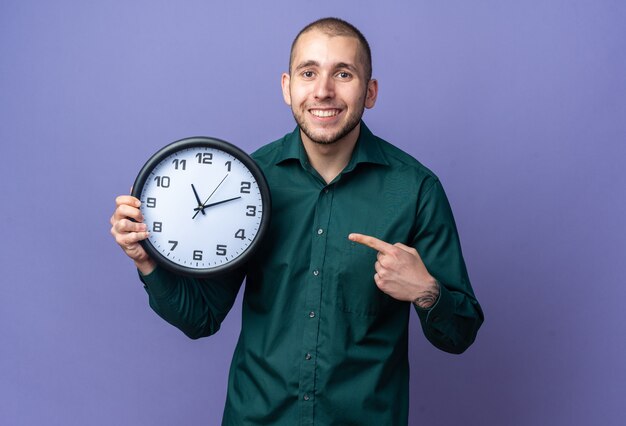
371, 94
284, 82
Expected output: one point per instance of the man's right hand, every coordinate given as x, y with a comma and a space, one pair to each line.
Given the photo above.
128, 233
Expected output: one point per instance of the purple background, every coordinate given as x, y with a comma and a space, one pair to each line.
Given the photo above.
519, 107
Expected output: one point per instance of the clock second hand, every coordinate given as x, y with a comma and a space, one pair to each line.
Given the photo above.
203, 205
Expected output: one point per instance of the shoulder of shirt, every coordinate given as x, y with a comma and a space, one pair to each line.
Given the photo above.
401, 160
268, 154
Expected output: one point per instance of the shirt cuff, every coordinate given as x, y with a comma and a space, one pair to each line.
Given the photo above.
158, 283
440, 311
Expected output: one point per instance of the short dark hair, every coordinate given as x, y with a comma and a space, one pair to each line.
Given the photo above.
338, 27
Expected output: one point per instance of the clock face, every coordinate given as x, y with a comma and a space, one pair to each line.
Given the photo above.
206, 205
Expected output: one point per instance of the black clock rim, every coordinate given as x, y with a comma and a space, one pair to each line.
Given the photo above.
257, 173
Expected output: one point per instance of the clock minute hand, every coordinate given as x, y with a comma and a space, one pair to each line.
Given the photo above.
199, 208
198, 200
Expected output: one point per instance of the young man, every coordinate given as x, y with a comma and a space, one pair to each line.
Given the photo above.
361, 232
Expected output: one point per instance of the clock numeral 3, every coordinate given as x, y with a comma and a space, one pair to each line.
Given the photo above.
197, 255
221, 250
251, 211
157, 226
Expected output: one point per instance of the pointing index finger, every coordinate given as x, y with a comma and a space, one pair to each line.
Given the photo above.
371, 242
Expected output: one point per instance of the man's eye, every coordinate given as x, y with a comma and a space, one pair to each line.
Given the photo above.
344, 75
307, 74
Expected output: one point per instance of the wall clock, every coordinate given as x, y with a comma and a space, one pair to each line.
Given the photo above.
206, 204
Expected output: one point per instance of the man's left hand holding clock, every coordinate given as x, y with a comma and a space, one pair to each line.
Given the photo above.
128, 233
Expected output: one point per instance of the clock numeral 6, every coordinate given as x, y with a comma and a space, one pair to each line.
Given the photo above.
151, 202
245, 187
163, 181
157, 226
205, 157
197, 255
221, 250
251, 211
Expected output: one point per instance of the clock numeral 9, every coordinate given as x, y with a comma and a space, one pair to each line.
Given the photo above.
151, 202
205, 157
241, 234
245, 187
251, 211
157, 226
197, 255
163, 181
220, 250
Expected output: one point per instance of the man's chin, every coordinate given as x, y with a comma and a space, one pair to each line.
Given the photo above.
326, 138
322, 139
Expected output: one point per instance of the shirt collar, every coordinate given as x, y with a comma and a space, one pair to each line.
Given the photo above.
366, 150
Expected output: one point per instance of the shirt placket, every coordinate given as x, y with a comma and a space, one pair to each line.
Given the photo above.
314, 312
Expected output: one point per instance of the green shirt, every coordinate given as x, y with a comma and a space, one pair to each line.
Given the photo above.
320, 344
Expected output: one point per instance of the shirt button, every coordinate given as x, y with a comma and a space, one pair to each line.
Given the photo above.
320, 231
325, 190
316, 272
311, 314
307, 357
306, 397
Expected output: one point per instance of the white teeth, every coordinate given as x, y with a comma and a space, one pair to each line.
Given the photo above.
324, 112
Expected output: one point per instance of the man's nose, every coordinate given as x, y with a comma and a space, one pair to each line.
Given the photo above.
325, 87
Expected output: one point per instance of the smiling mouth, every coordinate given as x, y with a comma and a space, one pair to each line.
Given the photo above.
324, 113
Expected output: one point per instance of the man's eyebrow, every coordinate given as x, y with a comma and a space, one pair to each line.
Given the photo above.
307, 64
339, 65
346, 66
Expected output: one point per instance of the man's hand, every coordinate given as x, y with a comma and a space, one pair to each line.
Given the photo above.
128, 233
400, 272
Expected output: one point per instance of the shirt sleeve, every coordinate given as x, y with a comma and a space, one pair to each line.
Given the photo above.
453, 322
195, 306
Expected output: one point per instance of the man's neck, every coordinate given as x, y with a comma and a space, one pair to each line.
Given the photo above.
330, 159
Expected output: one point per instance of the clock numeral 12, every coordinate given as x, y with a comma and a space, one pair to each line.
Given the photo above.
220, 250
205, 157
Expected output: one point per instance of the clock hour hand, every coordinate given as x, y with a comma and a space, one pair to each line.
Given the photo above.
200, 205
201, 208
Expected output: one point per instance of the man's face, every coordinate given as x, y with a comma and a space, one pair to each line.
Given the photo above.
327, 88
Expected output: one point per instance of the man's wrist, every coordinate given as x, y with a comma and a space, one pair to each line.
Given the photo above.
429, 297
146, 267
